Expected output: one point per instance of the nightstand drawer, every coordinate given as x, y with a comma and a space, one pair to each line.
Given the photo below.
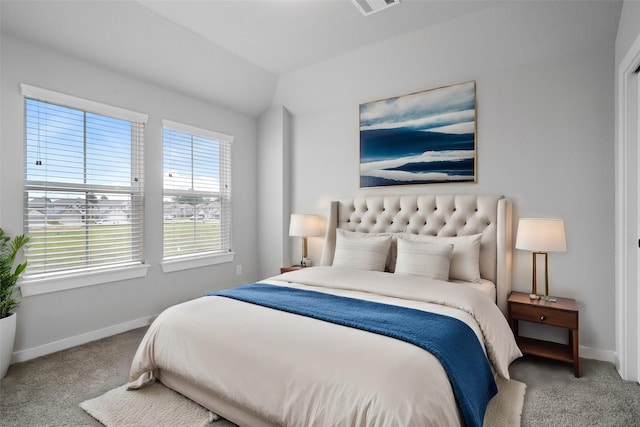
540, 314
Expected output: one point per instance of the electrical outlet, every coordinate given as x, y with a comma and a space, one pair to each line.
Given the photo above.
239, 269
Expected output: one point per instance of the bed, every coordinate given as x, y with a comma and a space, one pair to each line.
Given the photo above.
344, 343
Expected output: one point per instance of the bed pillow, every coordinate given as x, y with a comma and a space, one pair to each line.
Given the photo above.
391, 256
423, 259
361, 251
465, 257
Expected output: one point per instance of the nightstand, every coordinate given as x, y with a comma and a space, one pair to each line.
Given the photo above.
292, 268
563, 314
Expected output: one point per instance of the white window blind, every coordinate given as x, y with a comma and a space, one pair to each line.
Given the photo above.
197, 192
83, 187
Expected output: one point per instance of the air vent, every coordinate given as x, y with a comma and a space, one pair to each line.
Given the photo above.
367, 7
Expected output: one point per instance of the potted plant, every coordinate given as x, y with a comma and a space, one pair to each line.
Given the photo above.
8, 286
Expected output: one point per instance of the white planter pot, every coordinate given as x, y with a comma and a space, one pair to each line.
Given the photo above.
7, 337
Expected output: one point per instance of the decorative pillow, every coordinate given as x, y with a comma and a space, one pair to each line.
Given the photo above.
391, 256
423, 259
361, 251
465, 257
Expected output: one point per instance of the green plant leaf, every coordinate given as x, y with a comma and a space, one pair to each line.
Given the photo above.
9, 249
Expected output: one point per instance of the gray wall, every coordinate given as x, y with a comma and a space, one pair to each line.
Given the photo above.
545, 104
628, 29
273, 195
50, 321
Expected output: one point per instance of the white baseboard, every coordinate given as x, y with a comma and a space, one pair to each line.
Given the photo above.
43, 350
598, 354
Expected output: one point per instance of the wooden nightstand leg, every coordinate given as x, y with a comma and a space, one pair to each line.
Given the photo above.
514, 327
576, 357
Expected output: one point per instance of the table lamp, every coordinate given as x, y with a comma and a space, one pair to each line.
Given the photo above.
541, 236
305, 225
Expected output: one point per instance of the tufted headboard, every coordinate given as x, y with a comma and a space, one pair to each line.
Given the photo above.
437, 215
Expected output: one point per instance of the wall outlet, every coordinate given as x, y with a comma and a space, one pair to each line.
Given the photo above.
239, 269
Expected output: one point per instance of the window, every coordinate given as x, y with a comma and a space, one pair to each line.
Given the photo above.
197, 195
83, 186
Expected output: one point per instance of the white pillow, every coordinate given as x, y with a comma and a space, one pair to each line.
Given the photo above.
361, 251
423, 259
391, 256
465, 257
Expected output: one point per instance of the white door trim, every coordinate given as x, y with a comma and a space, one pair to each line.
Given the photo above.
627, 264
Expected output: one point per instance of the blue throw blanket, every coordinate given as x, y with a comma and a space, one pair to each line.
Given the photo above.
450, 340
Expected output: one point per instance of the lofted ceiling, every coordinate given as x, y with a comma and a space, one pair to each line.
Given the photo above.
226, 52
283, 35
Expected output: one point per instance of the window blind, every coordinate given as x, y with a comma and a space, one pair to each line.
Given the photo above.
197, 191
83, 188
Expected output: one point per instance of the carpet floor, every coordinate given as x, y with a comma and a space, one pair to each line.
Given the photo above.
47, 391
556, 398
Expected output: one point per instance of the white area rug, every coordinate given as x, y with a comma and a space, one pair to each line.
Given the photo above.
155, 405
505, 408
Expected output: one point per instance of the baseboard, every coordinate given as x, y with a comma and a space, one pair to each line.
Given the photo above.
43, 350
598, 354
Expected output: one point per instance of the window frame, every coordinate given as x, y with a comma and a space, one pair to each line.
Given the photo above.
201, 259
40, 283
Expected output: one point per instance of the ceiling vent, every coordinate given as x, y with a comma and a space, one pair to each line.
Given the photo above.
368, 7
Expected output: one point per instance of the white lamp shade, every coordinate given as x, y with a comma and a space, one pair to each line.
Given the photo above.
304, 225
541, 235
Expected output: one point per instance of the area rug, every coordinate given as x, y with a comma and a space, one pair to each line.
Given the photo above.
153, 405
156, 405
505, 409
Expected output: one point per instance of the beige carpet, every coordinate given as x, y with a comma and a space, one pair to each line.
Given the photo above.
156, 405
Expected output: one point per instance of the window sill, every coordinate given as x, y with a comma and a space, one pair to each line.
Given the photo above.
37, 286
177, 264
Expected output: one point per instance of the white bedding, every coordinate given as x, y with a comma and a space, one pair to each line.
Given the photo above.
485, 286
292, 370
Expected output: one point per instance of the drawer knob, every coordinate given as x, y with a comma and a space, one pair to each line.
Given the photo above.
543, 318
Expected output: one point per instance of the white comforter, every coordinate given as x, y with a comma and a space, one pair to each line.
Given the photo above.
297, 371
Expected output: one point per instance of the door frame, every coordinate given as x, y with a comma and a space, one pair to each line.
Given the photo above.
627, 215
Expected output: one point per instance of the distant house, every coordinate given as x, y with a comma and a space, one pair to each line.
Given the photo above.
36, 218
181, 210
111, 212
77, 212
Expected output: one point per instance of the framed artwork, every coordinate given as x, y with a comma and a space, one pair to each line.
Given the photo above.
422, 138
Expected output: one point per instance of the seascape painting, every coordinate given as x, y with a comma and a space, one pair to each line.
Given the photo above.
421, 138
